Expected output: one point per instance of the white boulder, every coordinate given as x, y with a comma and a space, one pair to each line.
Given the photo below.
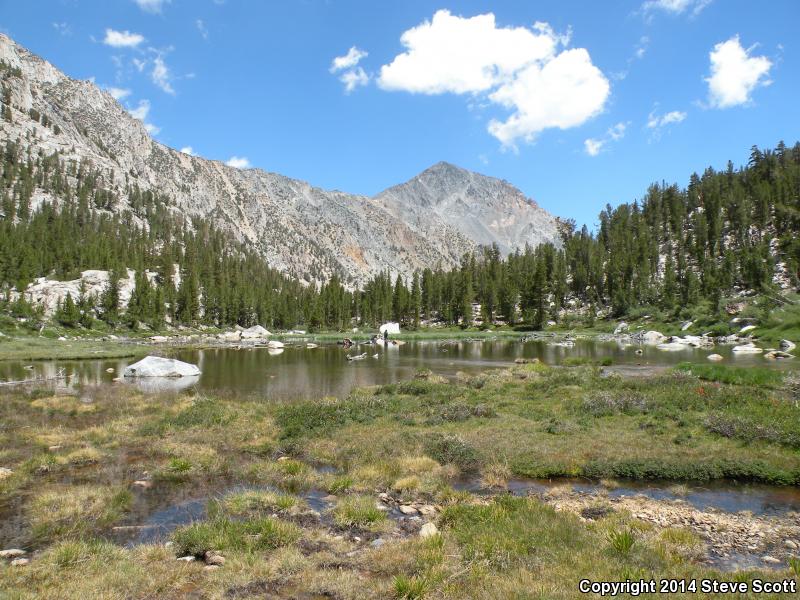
747, 328
390, 327
275, 344
672, 346
747, 349
787, 345
652, 337
256, 332
623, 326
156, 366
714, 357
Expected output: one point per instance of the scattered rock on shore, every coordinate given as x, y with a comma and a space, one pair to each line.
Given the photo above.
428, 530
724, 533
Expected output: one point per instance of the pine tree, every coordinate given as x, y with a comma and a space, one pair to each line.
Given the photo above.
67, 313
416, 299
109, 301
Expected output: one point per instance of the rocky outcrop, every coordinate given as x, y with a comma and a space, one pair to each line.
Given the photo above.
298, 228
48, 293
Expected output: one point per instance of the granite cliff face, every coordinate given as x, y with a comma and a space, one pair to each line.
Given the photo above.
301, 230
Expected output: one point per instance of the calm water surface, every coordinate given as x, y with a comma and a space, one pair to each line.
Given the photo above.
300, 372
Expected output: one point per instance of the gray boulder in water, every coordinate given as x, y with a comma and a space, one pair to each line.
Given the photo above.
156, 366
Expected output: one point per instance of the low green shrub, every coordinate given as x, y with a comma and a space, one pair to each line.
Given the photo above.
452, 449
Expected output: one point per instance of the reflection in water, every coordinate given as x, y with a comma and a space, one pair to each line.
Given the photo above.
301, 372
158, 385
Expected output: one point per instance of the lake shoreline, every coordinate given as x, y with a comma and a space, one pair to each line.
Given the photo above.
42, 348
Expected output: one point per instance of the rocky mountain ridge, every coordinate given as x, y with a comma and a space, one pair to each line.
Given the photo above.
302, 230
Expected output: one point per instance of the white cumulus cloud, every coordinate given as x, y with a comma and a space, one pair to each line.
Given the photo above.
118, 93
63, 28
140, 112
655, 121
122, 39
593, 146
354, 78
238, 162
188, 150
675, 7
161, 75
351, 59
735, 73
201, 27
151, 6
525, 70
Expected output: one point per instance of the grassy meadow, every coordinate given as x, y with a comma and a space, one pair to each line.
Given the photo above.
295, 493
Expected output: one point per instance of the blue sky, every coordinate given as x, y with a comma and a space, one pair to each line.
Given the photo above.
578, 104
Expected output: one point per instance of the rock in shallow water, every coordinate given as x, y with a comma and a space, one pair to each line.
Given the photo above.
156, 366
747, 349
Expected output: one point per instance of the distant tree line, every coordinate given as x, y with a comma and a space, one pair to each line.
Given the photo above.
675, 248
